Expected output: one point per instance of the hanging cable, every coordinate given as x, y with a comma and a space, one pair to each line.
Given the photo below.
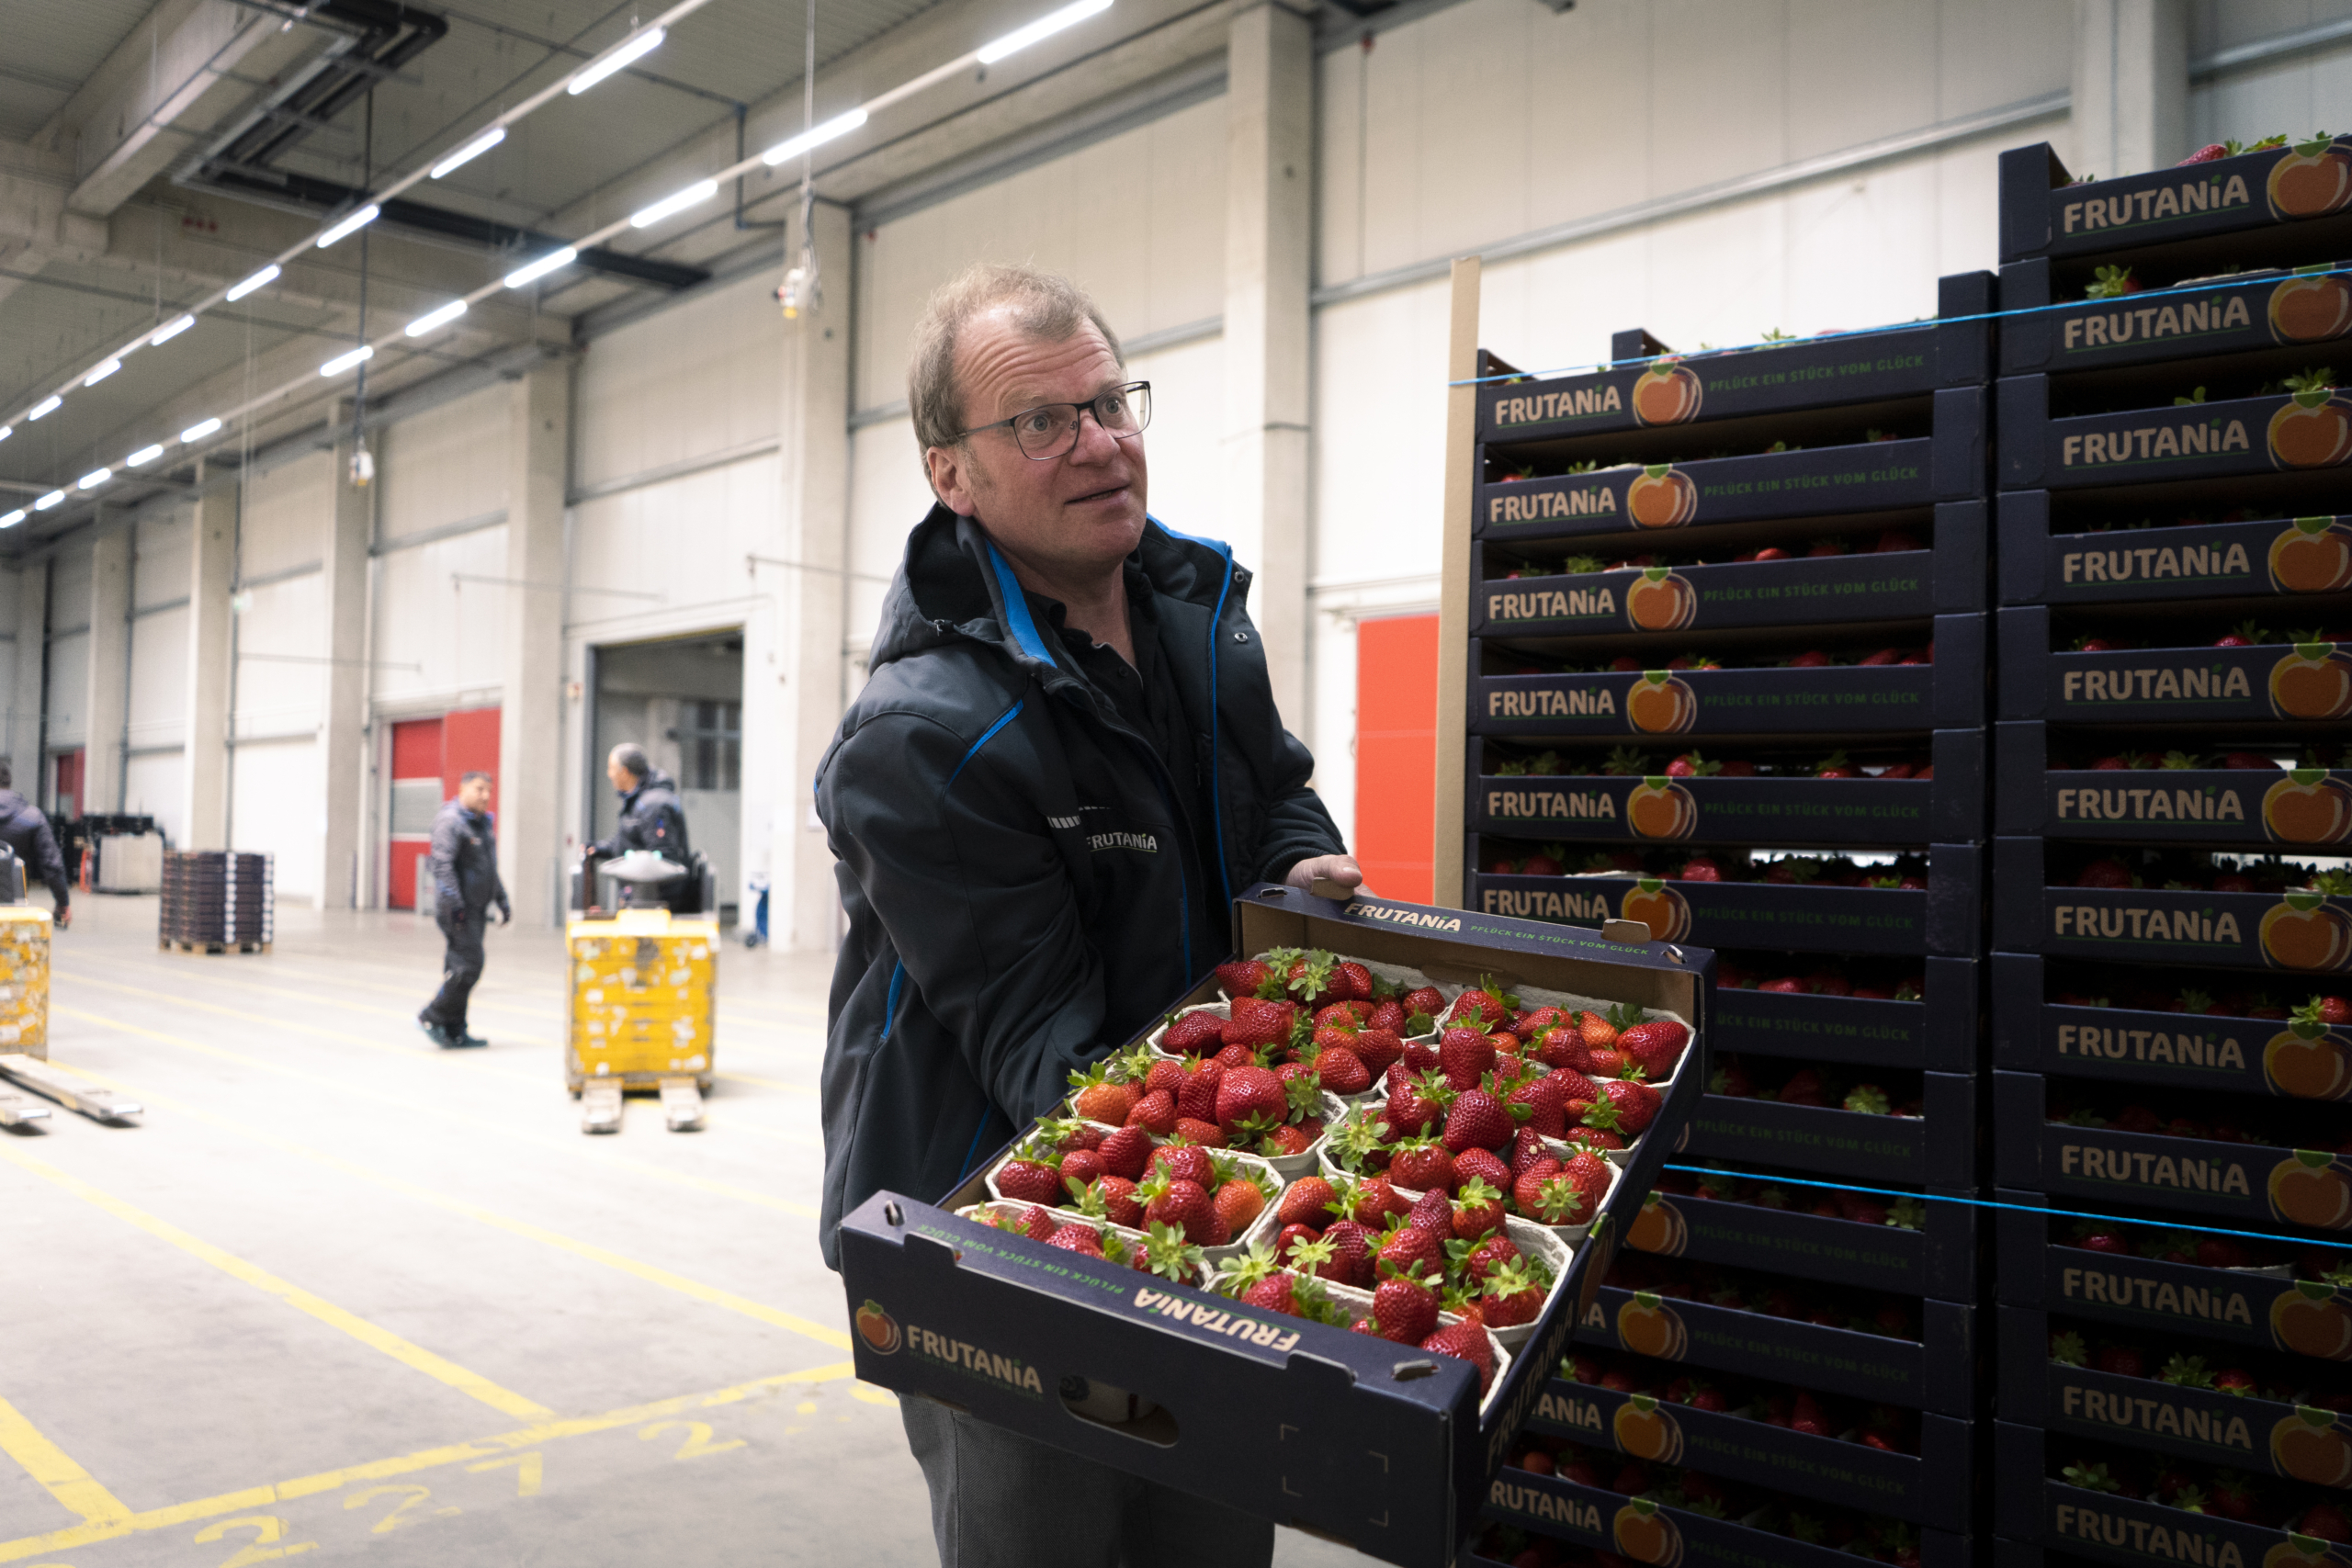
363, 466
800, 291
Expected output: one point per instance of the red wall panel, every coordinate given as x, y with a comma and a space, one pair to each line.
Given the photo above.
1396, 754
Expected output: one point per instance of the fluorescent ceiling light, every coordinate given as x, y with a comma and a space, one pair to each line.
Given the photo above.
1043, 27
171, 330
668, 205
541, 267
199, 431
351, 225
102, 372
256, 281
13, 518
47, 406
6, 431
440, 318
51, 499
621, 54
343, 362
143, 456
469, 151
817, 136
95, 478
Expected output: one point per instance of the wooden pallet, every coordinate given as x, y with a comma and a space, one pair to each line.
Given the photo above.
169, 944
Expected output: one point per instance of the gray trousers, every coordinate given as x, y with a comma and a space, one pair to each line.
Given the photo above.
1000, 1500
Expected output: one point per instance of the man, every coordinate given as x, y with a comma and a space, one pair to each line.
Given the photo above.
651, 816
1065, 764
465, 884
25, 831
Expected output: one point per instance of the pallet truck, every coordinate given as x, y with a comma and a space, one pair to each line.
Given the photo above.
24, 934
642, 987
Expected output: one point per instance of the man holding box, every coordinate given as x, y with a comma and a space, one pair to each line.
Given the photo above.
1065, 764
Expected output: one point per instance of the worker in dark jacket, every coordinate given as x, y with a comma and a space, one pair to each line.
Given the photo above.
651, 816
465, 886
24, 829
1065, 764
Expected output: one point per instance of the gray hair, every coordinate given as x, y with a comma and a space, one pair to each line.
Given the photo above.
1047, 306
632, 758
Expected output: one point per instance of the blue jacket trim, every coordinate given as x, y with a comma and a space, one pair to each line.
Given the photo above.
987, 1116
1016, 608
990, 734
1217, 624
890, 1003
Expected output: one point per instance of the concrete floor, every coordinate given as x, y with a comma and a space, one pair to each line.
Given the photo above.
341, 1294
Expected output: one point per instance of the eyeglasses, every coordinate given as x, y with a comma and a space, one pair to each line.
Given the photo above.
1049, 430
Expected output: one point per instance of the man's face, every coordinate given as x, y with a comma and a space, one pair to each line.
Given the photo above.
1077, 514
623, 780
474, 795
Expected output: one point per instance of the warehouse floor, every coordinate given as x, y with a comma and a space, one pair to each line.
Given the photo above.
341, 1294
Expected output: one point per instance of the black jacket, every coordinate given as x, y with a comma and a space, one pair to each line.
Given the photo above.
24, 829
652, 818
465, 859
1019, 893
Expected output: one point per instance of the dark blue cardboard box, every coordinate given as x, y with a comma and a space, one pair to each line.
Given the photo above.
2281, 557
1936, 1259
1384, 1447
2298, 433
2042, 333
2263, 808
1936, 1033
2268, 1308
2264, 683
2045, 213
1938, 1148
2292, 932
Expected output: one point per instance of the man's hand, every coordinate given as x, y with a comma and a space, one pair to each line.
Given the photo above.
64, 917
458, 914
1341, 869
505, 913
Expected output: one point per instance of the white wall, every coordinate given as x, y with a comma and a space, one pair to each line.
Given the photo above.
283, 517
153, 779
699, 379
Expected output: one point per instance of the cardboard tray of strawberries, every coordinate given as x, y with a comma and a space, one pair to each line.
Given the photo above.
2174, 1396
2266, 1162
2120, 1507
2105, 791
2287, 1293
2136, 315
2131, 1028
1689, 1516
2230, 679
1387, 1445
1839, 1124
1910, 1465
1915, 1015
1857, 472
2298, 433
2161, 559
1930, 1365
1930, 794
1937, 685
1749, 1220
1540, 597
1650, 385
2300, 190
1937, 916
2238, 920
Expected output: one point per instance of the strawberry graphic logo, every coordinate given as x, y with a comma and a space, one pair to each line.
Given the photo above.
878, 1328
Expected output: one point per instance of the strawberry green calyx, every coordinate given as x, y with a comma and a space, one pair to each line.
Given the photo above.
2110, 283
2196, 396
2189, 1499
1494, 988
2089, 1477
1626, 762
1277, 961
1906, 1213
2183, 760
1622, 1016
2067, 1349
1314, 978
1867, 1098
1882, 883
2318, 380
2186, 1371
1357, 1138
1315, 1304
1253, 1267
1308, 1256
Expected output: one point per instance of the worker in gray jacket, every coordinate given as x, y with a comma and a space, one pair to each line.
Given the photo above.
465, 884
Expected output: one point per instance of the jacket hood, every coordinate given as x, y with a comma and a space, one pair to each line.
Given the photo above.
654, 779
954, 585
11, 804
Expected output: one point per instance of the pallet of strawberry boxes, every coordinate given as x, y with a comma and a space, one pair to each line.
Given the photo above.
1248, 1321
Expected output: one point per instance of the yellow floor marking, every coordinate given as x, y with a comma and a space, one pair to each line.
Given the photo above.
532, 1437
411, 1355
425, 1108
55, 1469
652, 1274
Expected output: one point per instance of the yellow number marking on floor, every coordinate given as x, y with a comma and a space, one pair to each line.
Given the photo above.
572, 1146
697, 1441
409, 1354
507, 1447
55, 1469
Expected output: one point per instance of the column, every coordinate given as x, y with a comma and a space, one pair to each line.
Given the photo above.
109, 674
32, 698
2130, 85
350, 527
530, 704
212, 551
1269, 183
792, 651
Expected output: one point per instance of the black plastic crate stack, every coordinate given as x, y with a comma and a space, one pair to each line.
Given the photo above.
218, 901
1715, 598
2174, 682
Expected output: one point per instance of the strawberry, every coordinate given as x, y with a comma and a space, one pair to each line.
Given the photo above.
1410, 1248
1272, 1293
1038, 1225
1180, 1204
1432, 1211
1483, 1164
1477, 1120
1484, 1005
1155, 1112
1427, 1000
1552, 1199
1351, 1246
1637, 1104
1097, 1099
1379, 1049
1238, 1204
1655, 1047
1351, 981
1163, 1253
1079, 1169
2207, 154
1373, 1201
1196, 1100
1068, 1135
1305, 1201
1465, 1056
2122, 1360
2331, 1011
1406, 1311
1412, 1110
1245, 976
1468, 1343
1192, 1033
1289, 1239
1077, 1238
1477, 1211
1806, 1415
1250, 1095
1308, 979
1599, 1033
1340, 1071
1289, 1139
1387, 1013
1029, 1181
2323, 1521
1511, 1296
2233, 1498
1546, 1111
1113, 1198
1208, 1135
1349, 1016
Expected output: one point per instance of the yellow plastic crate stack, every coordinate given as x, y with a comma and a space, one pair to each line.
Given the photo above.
24, 980
643, 985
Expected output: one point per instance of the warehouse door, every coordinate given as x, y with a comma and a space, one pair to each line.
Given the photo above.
66, 793
1396, 755
429, 756
682, 699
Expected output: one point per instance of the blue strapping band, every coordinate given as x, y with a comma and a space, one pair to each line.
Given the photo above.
1988, 1203
1016, 607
